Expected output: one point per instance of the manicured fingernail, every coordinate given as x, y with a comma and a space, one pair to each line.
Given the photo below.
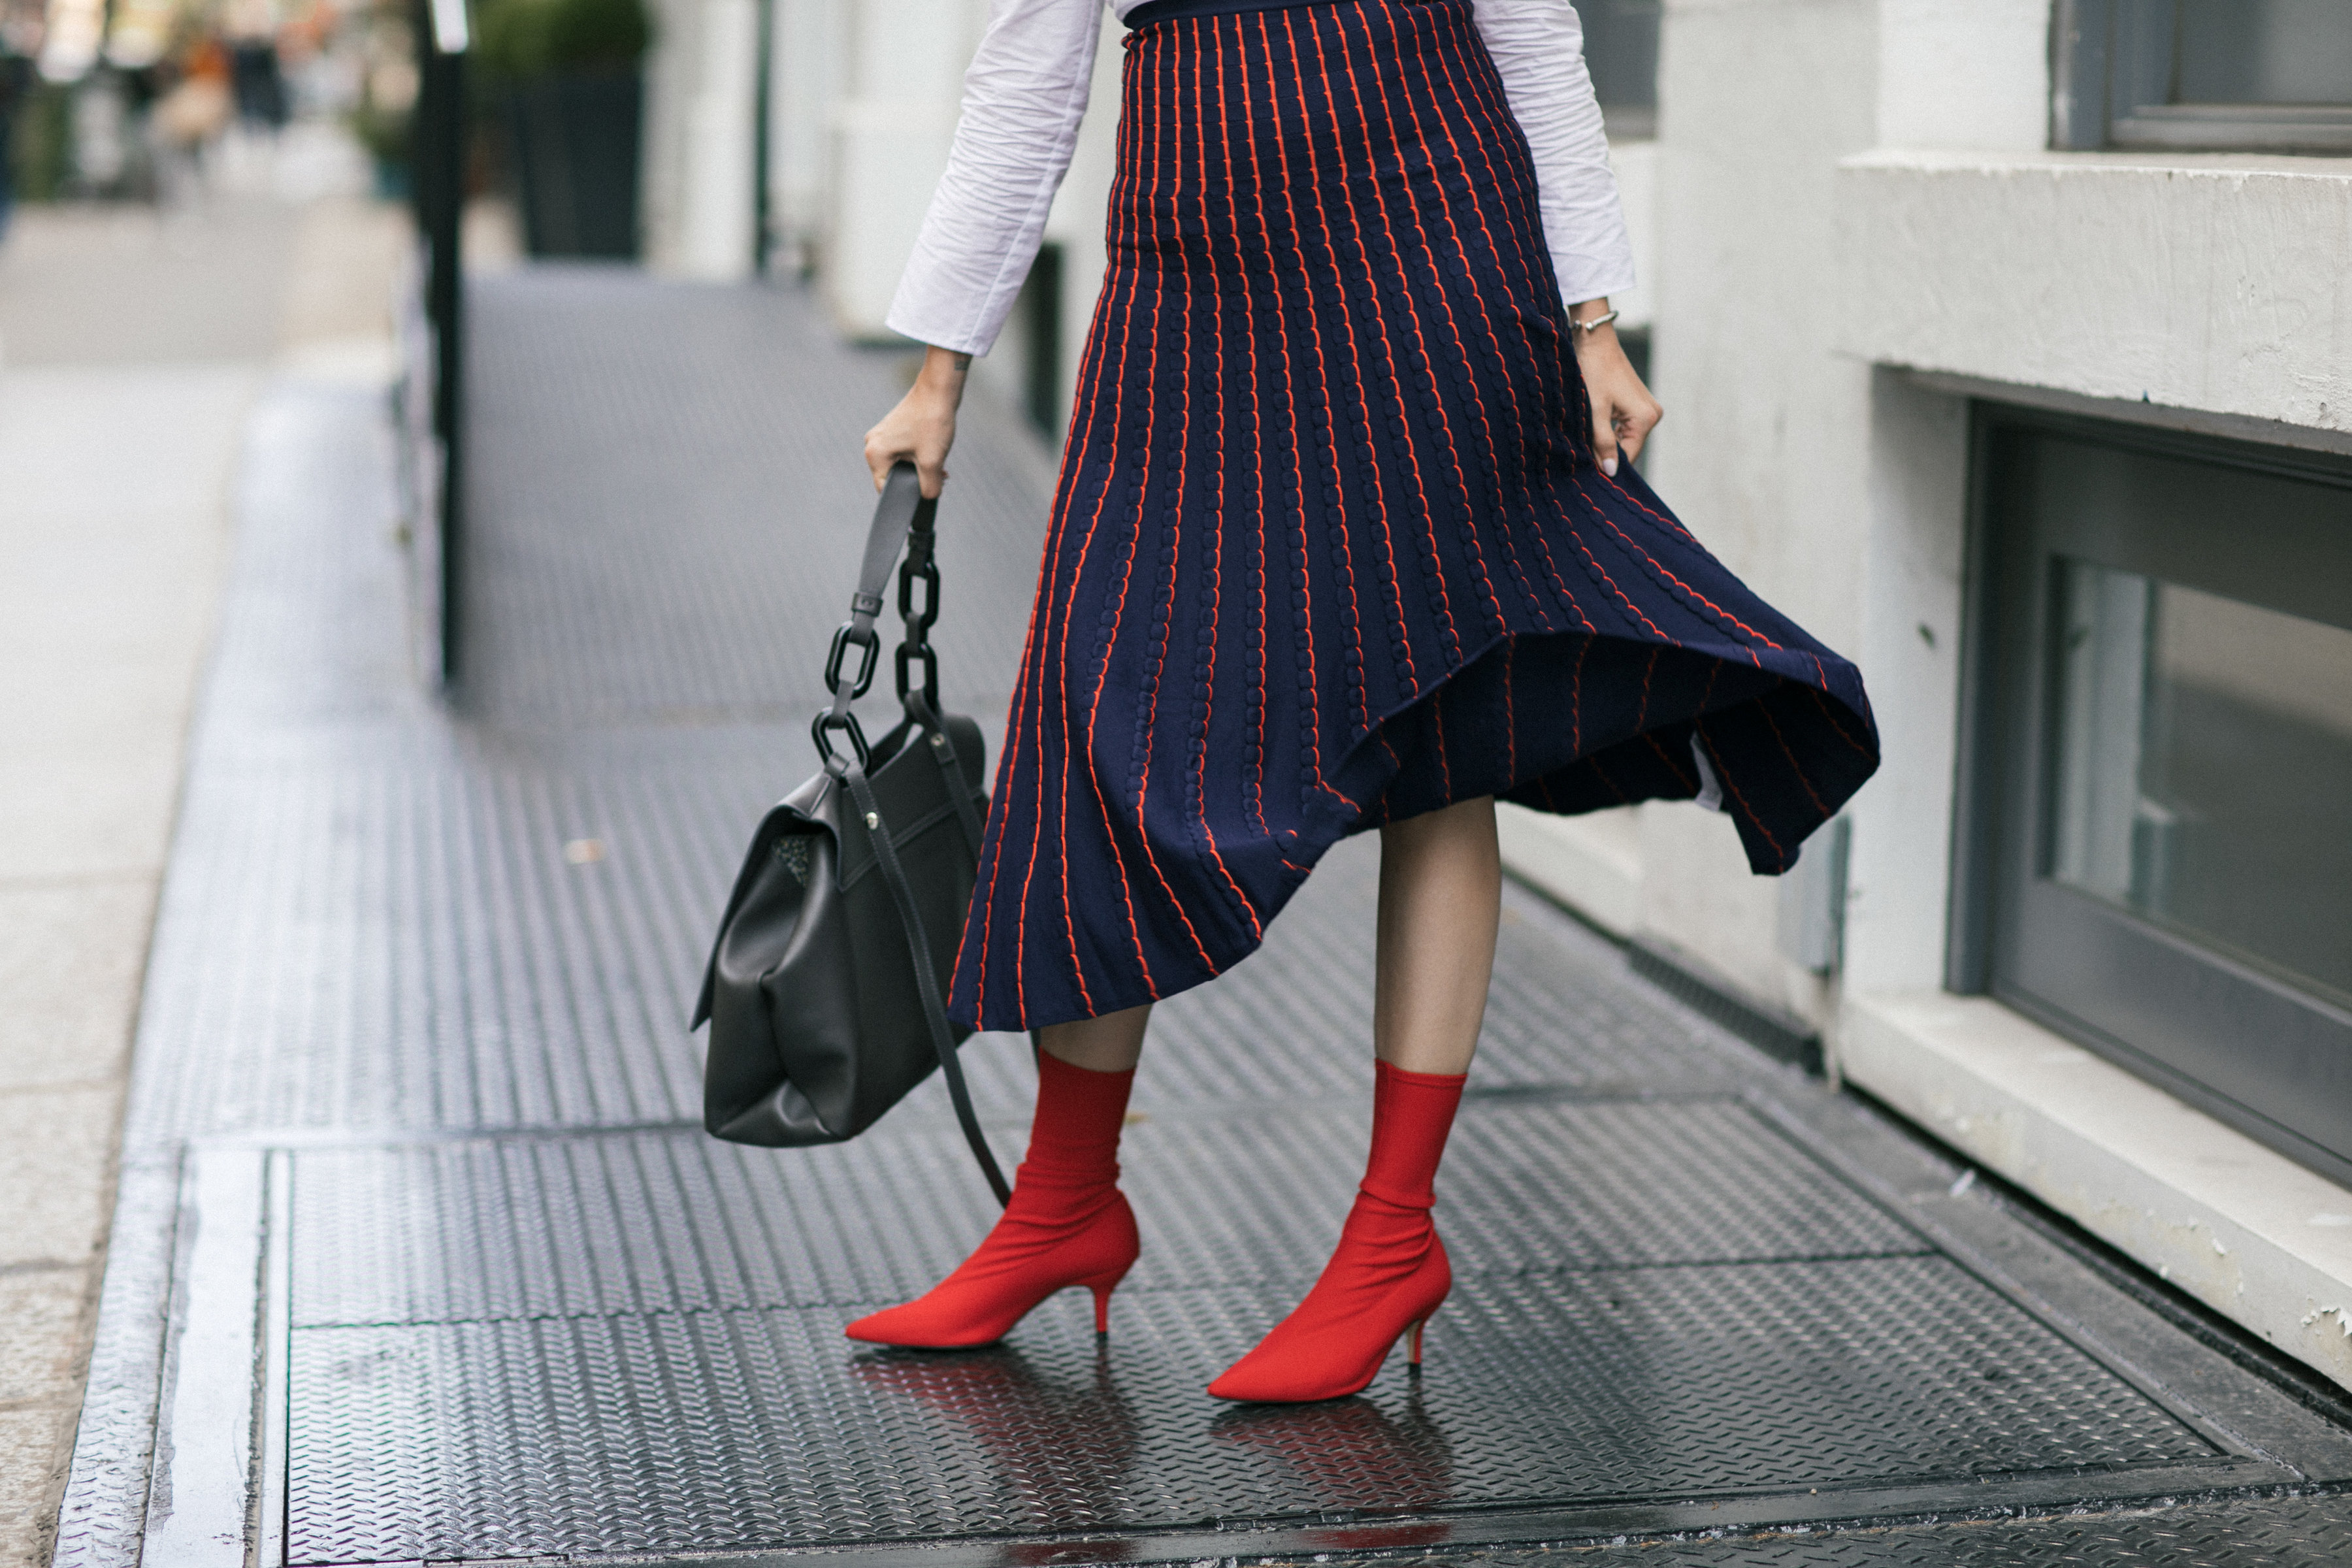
1608, 467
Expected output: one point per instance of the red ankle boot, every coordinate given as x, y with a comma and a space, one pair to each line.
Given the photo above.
1068, 1223
1389, 1271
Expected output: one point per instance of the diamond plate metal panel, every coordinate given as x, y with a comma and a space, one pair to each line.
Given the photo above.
713, 1430
2273, 1533
669, 1220
725, 489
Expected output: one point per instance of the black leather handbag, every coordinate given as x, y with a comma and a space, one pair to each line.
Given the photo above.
826, 989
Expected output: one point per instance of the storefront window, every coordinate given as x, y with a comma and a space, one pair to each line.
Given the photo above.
2204, 768
2214, 75
2157, 806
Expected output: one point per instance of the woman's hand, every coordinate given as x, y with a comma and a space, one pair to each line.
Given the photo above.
1624, 412
923, 427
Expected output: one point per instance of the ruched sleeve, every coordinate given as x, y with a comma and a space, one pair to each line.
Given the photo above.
1539, 50
1023, 98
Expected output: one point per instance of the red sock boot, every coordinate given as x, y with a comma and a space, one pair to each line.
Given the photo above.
1068, 1223
1389, 1271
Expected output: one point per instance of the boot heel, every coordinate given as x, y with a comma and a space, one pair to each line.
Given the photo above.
1102, 1289
1412, 1342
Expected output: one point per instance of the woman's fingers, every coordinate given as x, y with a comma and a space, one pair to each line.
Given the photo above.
1624, 412
922, 428
932, 468
1634, 425
912, 432
879, 457
1604, 434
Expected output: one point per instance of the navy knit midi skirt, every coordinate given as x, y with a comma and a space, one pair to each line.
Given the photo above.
1330, 547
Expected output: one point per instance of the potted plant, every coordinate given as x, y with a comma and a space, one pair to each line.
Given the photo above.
567, 74
383, 119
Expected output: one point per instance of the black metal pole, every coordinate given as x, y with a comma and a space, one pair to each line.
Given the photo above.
439, 142
762, 118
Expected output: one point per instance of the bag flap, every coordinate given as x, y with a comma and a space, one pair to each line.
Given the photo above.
813, 807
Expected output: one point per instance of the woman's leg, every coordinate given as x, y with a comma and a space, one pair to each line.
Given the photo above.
1111, 1043
1440, 894
1441, 897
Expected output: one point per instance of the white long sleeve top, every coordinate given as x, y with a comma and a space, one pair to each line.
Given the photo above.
1026, 94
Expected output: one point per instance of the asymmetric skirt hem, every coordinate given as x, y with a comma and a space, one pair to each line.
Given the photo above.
1653, 763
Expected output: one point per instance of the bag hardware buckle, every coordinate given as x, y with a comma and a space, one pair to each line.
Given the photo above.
847, 722
869, 643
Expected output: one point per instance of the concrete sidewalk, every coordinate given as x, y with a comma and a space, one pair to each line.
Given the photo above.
131, 347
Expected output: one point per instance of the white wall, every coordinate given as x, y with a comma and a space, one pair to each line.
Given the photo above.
1763, 448
696, 187
808, 65
1964, 73
1898, 881
670, 70
903, 75
2208, 282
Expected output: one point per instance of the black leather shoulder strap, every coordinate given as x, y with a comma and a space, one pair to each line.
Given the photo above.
927, 980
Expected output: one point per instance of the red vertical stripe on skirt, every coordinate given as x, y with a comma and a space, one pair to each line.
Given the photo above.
1302, 614
1518, 173
1511, 176
1447, 634
1217, 538
1157, 661
1433, 564
1499, 510
1255, 760
1534, 276
1122, 217
1161, 57
1141, 206
1028, 716
1401, 639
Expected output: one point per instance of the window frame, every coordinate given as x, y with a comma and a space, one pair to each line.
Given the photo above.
2111, 85
1626, 120
2270, 1058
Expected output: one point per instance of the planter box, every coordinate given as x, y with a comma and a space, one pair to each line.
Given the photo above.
574, 139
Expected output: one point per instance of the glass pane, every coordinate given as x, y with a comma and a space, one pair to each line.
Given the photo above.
2263, 51
1621, 49
2204, 769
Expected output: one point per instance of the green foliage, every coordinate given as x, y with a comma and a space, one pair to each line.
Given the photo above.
44, 143
519, 39
385, 133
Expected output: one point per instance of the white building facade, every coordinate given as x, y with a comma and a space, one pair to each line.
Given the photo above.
2007, 346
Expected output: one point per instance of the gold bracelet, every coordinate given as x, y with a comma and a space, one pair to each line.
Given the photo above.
1594, 325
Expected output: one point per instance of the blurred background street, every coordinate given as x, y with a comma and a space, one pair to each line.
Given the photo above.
429, 477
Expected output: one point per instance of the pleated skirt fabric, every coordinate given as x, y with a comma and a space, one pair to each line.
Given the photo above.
1330, 547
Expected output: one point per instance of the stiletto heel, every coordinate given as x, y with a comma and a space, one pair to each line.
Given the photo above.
1102, 1301
1413, 1350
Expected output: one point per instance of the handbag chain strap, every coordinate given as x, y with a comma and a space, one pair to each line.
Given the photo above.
923, 705
901, 512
